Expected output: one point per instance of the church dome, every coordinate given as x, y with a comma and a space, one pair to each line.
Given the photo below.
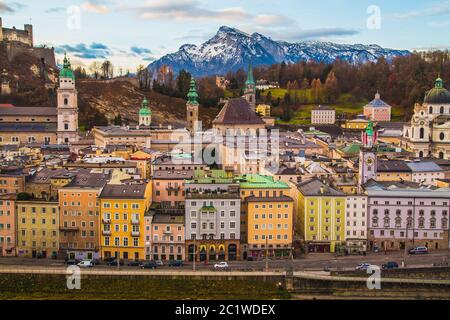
145, 111
66, 71
438, 95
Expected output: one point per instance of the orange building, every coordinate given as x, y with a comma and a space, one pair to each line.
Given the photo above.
12, 181
7, 225
168, 187
80, 216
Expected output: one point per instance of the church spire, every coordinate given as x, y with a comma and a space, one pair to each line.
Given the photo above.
192, 94
250, 79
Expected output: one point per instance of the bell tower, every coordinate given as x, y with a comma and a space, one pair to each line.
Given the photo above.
368, 156
145, 114
192, 109
67, 97
250, 89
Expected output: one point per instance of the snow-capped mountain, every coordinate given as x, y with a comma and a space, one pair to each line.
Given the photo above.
231, 49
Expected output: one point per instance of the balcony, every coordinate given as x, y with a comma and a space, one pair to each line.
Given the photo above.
135, 233
69, 229
106, 221
173, 188
135, 221
106, 233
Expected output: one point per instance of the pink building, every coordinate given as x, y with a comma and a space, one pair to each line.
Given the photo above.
377, 110
402, 214
7, 225
165, 233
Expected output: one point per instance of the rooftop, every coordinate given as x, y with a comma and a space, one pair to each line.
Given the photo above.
237, 111
256, 181
424, 167
172, 174
121, 191
378, 103
392, 166
28, 111
315, 187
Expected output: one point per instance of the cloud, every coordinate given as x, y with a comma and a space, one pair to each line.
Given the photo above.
322, 32
56, 10
187, 10
10, 7
272, 20
85, 51
140, 51
437, 10
95, 7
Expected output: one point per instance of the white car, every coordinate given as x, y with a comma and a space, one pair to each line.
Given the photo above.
221, 266
86, 264
363, 266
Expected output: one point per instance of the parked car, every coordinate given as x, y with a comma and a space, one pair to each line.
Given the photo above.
390, 265
134, 264
419, 250
175, 263
85, 264
363, 266
221, 266
114, 262
149, 265
71, 262
95, 262
159, 263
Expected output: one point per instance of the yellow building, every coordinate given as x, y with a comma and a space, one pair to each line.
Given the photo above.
37, 228
122, 209
267, 216
356, 124
322, 216
393, 170
263, 110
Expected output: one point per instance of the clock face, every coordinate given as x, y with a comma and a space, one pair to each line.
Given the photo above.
369, 161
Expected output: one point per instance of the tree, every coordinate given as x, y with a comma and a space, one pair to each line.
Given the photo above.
95, 69
183, 83
331, 88
118, 120
107, 69
269, 98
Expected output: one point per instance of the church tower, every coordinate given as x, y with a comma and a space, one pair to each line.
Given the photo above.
145, 114
192, 108
368, 156
250, 89
67, 97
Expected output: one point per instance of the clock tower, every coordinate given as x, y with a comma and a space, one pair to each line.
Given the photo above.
368, 156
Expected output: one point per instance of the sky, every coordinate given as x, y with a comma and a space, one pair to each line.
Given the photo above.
136, 32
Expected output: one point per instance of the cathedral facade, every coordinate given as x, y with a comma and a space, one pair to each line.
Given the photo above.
428, 133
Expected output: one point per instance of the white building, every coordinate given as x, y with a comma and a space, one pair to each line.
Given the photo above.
425, 172
323, 115
356, 221
428, 134
67, 106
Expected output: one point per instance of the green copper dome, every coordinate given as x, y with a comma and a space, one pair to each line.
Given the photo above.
145, 111
66, 71
438, 95
192, 94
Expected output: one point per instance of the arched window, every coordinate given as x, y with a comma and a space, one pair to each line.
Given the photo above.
431, 109
442, 110
441, 155
422, 133
442, 136
421, 154
66, 101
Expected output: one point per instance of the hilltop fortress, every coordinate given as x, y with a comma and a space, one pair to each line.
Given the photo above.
17, 41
